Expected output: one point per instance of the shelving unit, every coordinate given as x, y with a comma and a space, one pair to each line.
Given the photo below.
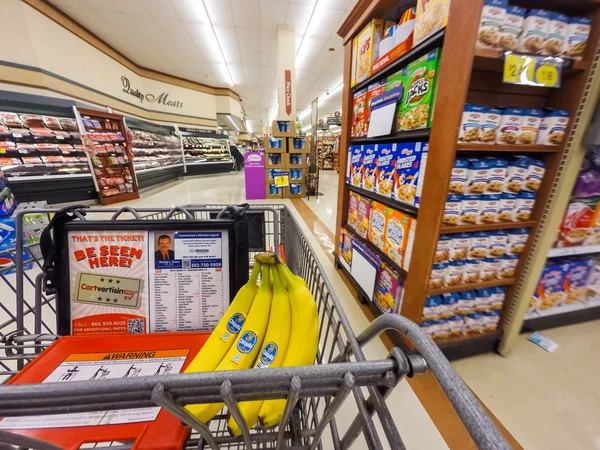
465, 75
326, 151
205, 151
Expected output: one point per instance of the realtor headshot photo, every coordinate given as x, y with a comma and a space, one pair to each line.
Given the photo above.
164, 247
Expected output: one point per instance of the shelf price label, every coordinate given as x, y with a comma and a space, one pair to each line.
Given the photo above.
532, 70
281, 179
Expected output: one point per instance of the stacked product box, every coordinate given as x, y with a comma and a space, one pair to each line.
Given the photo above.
287, 156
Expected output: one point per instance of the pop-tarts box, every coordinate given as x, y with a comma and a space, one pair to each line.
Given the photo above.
356, 165
409, 173
369, 164
386, 164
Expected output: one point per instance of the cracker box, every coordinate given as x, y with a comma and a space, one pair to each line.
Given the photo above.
420, 83
480, 244
461, 244
508, 267
530, 125
452, 210
553, 128
515, 175
516, 241
497, 243
510, 126
535, 30
360, 119
377, 224
443, 249
363, 207
386, 165
535, 174
438, 275
388, 286
478, 175
489, 208
356, 166
352, 209
557, 32
470, 205
432, 16
368, 48
511, 28
576, 38
496, 175
492, 18
524, 208
490, 125
396, 236
458, 176
369, 165
409, 173
470, 127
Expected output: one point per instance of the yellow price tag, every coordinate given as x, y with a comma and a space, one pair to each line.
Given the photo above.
282, 181
518, 69
547, 75
2, 150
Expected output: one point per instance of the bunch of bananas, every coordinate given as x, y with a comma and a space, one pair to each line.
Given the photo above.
257, 331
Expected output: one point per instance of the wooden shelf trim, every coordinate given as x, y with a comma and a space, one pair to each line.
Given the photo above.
488, 227
515, 149
410, 210
400, 136
471, 286
465, 337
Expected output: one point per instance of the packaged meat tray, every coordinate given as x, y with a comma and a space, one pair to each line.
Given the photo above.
26, 148
46, 147
79, 148
9, 161
19, 132
9, 145
31, 121
41, 132
11, 119
68, 124
31, 160
70, 159
53, 159
4, 130
65, 148
52, 122
60, 134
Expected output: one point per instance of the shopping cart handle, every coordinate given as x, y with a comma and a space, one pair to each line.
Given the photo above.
479, 424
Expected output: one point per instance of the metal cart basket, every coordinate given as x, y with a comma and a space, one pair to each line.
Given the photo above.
340, 377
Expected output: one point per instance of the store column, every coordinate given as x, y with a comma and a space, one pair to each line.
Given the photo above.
286, 73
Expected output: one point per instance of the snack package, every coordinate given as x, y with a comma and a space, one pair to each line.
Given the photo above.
474, 323
508, 203
550, 292
373, 90
386, 288
461, 244
576, 38
535, 174
491, 319
419, 94
466, 303
410, 241
480, 244
443, 248
516, 241
478, 175
438, 275
356, 165
470, 127
347, 248
449, 302
392, 82
396, 235
409, 174
557, 32
515, 175
432, 16
530, 125
458, 177
535, 30
496, 175
455, 273
577, 279
497, 295
397, 40
385, 168
470, 206
488, 268
363, 208
472, 271
482, 299
489, 207
498, 241
553, 128
511, 28
492, 18
525, 204
508, 267
490, 125
452, 210
369, 164
580, 224
368, 48
587, 184
352, 209
377, 224
433, 307
510, 126
360, 119
456, 326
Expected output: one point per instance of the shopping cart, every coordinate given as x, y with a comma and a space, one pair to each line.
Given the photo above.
340, 377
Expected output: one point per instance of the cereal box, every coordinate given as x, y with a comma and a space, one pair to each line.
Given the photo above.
557, 32
432, 16
398, 40
508, 203
419, 92
458, 177
510, 126
580, 223
442, 251
438, 275
452, 210
478, 176
525, 204
480, 244
356, 165
497, 243
535, 30
470, 127
347, 248
516, 241
411, 160
363, 215
511, 28
535, 173
352, 209
461, 243
410, 240
396, 235
550, 291
360, 119
470, 209
530, 125
354, 61
492, 18
369, 164
368, 48
576, 279
392, 82
508, 267
386, 165
490, 125
377, 225
389, 285
576, 39
496, 175
515, 175
553, 128
488, 208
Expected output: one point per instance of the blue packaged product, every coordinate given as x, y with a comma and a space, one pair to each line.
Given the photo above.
8, 241
356, 165
438, 275
449, 302
466, 302
525, 204
498, 241
469, 211
483, 298
409, 173
497, 295
369, 167
455, 273
470, 128
516, 174
490, 124
488, 269
452, 210
293, 189
299, 189
488, 208
458, 176
428, 327
490, 320
479, 172
442, 330
508, 204
480, 243
578, 32
496, 175
443, 248
576, 279
433, 307
535, 173
385, 166
456, 325
474, 323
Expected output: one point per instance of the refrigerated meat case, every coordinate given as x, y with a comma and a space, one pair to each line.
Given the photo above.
206, 151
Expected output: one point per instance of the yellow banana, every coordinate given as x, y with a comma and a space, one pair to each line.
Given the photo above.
304, 338
247, 345
273, 349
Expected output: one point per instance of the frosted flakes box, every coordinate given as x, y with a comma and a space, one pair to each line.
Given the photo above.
576, 279
356, 165
377, 224
352, 209
550, 291
363, 215
386, 288
409, 173
386, 165
396, 236
369, 164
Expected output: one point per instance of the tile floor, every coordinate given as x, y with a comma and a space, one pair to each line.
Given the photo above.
547, 401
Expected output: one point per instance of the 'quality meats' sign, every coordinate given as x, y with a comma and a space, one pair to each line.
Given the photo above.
162, 99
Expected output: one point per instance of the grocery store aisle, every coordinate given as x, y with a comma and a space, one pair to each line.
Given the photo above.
325, 206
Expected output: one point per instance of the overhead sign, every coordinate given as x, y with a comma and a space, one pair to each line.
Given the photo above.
532, 70
288, 92
162, 98
334, 119
322, 125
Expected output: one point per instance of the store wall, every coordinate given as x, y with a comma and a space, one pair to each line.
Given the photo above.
38, 52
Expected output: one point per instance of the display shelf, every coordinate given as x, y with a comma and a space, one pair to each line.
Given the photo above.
436, 40
492, 60
566, 316
400, 136
490, 148
572, 251
465, 337
410, 210
487, 227
471, 286
385, 258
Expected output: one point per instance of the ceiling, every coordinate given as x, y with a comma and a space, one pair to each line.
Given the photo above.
175, 37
